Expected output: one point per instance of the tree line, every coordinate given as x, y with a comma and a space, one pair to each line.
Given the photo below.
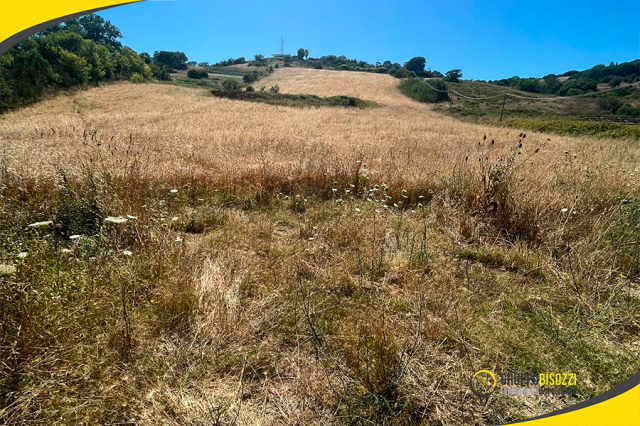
577, 82
86, 50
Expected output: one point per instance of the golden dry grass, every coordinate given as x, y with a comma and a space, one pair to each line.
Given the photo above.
270, 288
381, 88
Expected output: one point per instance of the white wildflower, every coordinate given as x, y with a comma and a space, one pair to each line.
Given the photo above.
75, 237
23, 255
175, 218
127, 253
178, 240
357, 210
6, 270
40, 224
66, 250
113, 219
174, 191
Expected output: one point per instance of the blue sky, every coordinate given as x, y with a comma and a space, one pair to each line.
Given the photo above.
487, 40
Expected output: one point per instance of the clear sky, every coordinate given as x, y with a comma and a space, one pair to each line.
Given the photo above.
486, 39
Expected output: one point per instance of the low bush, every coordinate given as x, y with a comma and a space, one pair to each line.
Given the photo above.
286, 99
197, 74
421, 92
231, 84
252, 76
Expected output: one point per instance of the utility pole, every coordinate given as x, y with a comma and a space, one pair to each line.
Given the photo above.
504, 100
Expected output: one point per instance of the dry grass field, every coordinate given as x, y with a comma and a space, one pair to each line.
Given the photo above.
218, 262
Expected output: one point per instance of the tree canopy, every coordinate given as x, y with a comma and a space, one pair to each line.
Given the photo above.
86, 50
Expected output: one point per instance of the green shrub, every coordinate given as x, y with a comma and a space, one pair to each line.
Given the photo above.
274, 89
160, 71
251, 77
249, 89
136, 78
197, 74
402, 73
609, 104
628, 110
231, 84
574, 92
421, 92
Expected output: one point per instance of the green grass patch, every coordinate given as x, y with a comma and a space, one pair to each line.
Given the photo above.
299, 101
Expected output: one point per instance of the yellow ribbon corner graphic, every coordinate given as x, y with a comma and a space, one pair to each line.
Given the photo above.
20, 19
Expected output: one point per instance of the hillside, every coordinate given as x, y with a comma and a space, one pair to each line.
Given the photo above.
171, 257
380, 88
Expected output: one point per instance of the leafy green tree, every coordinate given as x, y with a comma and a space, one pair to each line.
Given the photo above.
306, 54
72, 69
25, 74
301, 54
453, 76
99, 61
94, 27
173, 60
531, 85
416, 64
550, 84
128, 62
615, 81
258, 60
159, 71
146, 57
577, 86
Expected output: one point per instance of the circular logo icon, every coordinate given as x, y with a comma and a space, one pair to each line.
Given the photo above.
483, 383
